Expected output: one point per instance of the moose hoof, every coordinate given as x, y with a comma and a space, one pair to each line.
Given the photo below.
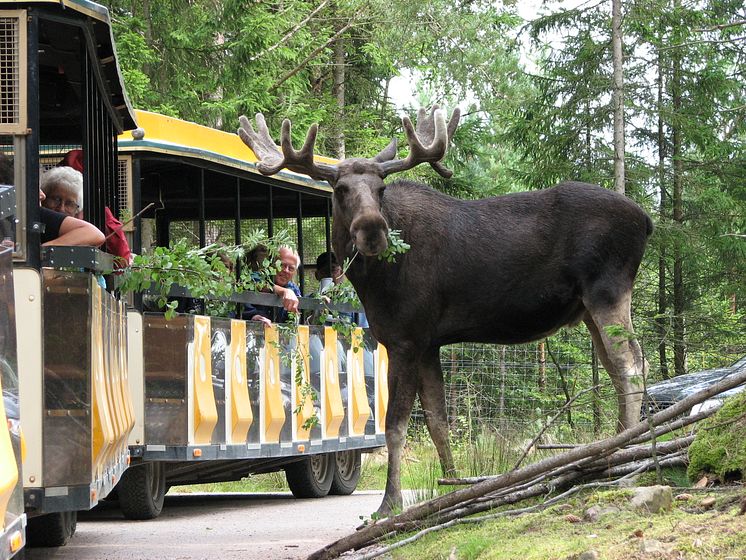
387, 509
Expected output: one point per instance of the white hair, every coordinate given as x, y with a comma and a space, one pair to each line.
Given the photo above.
293, 251
66, 177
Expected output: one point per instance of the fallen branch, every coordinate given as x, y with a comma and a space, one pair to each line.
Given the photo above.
674, 460
622, 456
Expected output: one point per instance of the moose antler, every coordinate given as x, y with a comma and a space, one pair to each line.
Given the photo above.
272, 159
427, 143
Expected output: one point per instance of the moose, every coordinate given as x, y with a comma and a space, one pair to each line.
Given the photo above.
508, 269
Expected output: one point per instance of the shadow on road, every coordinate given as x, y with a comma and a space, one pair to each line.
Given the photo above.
184, 505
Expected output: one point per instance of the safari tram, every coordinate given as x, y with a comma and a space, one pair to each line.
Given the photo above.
102, 398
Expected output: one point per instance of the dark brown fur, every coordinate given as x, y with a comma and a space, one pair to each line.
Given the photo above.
506, 270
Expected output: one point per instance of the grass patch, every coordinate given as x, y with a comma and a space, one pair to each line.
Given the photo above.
269, 482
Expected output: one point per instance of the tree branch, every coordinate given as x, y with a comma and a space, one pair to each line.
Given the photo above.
290, 33
721, 26
704, 42
314, 53
551, 421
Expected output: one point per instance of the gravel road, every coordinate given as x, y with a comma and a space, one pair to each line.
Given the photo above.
217, 527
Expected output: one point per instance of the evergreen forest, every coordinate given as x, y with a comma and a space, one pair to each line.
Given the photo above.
647, 97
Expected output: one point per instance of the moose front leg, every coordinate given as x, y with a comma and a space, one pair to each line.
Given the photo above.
431, 390
402, 390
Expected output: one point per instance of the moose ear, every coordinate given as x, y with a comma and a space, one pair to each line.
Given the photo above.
388, 153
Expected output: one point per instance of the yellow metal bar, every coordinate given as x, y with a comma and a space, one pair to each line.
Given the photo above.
112, 373
382, 387
241, 415
124, 364
358, 407
8, 466
102, 438
332, 398
304, 405
273, 413
205, 410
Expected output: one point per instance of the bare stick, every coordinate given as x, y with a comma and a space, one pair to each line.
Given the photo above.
133, 218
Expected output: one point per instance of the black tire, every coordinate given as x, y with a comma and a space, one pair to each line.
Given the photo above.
51, 529
142, 491
312, 476
346, 472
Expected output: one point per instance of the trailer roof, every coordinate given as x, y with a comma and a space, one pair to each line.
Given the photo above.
96, 23
172, 136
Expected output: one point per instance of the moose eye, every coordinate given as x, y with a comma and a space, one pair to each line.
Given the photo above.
341, 190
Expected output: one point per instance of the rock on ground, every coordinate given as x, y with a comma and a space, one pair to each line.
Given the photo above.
652, 499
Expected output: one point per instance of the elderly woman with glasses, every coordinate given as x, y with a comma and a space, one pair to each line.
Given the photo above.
61, 198
63, 187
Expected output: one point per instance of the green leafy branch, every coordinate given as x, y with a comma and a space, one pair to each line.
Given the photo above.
204, 271
396, 246
293, 356
341, 293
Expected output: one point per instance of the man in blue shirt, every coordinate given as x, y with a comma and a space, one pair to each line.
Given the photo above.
284, 287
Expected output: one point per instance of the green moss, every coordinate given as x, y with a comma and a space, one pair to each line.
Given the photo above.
617, 497
672, 476
720, 446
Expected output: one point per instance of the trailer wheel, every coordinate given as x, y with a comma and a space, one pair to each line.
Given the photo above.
312, 476
51, 529
142, 490
346, 472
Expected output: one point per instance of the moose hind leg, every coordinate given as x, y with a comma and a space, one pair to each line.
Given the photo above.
621, 356
431, 390
402, 391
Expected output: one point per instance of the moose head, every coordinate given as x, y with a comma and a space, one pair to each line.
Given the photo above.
357, 182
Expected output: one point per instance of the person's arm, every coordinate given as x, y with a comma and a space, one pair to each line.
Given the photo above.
289, 299
77, 232
262, 319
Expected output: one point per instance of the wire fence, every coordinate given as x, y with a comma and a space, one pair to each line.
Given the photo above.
523, 386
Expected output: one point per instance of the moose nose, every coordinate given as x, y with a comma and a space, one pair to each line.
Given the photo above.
369, 234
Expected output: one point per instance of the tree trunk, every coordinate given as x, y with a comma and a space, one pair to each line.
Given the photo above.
596, 392
679, 343
503, 376
660, 321
338, 90
148, 69
618, 94
542, 366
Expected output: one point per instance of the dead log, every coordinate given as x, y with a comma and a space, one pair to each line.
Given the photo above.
597, 449
625, 455
678, 459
